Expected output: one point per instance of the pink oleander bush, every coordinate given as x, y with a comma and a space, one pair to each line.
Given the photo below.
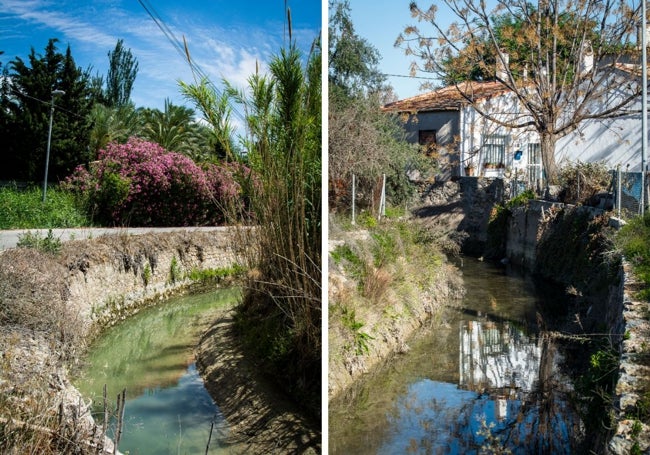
141, 184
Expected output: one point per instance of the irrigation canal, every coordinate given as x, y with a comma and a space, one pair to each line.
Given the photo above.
483, 377
167, 409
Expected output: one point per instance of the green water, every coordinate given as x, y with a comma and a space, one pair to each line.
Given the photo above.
168, 410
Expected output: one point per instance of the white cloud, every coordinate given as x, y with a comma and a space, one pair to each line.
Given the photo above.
75, 28
222, 50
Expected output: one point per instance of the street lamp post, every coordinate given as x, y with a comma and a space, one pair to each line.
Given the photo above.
49, 141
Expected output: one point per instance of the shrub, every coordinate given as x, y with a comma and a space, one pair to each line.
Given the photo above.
48, 244
633, 241
141, 184
581, 181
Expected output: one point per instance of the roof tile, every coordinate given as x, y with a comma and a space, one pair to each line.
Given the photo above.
448, 98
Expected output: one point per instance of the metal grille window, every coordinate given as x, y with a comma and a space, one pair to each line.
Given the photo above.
534, 154
495, 149
534, 162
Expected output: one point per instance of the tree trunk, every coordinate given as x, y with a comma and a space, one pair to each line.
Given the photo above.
547, 144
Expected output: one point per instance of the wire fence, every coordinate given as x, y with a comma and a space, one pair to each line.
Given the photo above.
622, 196
627, 191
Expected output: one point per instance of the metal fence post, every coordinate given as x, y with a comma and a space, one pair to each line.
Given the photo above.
382, 199
618, 191
354, 190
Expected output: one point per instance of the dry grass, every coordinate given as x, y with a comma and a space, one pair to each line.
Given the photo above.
33, 295
376, 284
40, 412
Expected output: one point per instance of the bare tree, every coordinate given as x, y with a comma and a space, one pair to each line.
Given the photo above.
565, 61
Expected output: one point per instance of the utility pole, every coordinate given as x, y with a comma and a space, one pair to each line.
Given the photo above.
644, 100
49, 141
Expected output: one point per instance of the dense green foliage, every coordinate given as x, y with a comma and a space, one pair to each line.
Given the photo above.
353, 61
122, 71
141, 184
477, 60
25, 106
93, 112
24, 209
363, 141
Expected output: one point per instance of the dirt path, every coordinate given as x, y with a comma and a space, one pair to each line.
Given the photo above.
260, 419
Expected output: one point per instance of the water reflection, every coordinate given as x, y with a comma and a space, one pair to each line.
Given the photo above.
488, 381
497, 356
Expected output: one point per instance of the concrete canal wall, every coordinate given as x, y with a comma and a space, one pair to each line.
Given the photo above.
624, 317
560, 243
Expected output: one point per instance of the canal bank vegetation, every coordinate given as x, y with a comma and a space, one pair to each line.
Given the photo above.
633, 240
578, 248
24, 209
279, 319
47, 303
574, 249
386, 279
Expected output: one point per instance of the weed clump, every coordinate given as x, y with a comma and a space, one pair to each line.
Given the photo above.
633, 240
47, 244
385, 280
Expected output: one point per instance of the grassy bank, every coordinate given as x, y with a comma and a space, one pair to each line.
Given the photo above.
25, 209
385, 279
633, 240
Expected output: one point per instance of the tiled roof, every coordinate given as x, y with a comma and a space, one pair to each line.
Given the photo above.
447, 98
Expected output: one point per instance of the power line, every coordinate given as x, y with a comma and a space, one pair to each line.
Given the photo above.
180, 48
410, 77
56, 106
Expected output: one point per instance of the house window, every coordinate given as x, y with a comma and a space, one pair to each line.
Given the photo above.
495, 149
534, 157
427, 137
427, 140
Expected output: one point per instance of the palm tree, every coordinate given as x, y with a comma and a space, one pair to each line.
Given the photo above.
171, 128
113, 124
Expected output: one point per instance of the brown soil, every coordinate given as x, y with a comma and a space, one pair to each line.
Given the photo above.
261, 420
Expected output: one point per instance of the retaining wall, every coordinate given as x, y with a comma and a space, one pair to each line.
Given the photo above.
625, 319
112, 277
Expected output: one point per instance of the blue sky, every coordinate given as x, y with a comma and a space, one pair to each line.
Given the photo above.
226, 38
381, 22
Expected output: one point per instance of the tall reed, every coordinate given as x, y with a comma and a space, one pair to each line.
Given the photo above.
280, 316
283, 305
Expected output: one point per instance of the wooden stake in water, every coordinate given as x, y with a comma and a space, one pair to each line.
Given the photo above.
207, 447
121, 399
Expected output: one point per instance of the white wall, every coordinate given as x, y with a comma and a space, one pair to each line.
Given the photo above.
614, 141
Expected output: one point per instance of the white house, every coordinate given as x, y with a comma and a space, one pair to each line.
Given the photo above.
477, 146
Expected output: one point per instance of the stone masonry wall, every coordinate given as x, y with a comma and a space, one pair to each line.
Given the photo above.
113, 276
625, 318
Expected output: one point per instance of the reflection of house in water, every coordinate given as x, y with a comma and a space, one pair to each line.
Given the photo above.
497, 358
